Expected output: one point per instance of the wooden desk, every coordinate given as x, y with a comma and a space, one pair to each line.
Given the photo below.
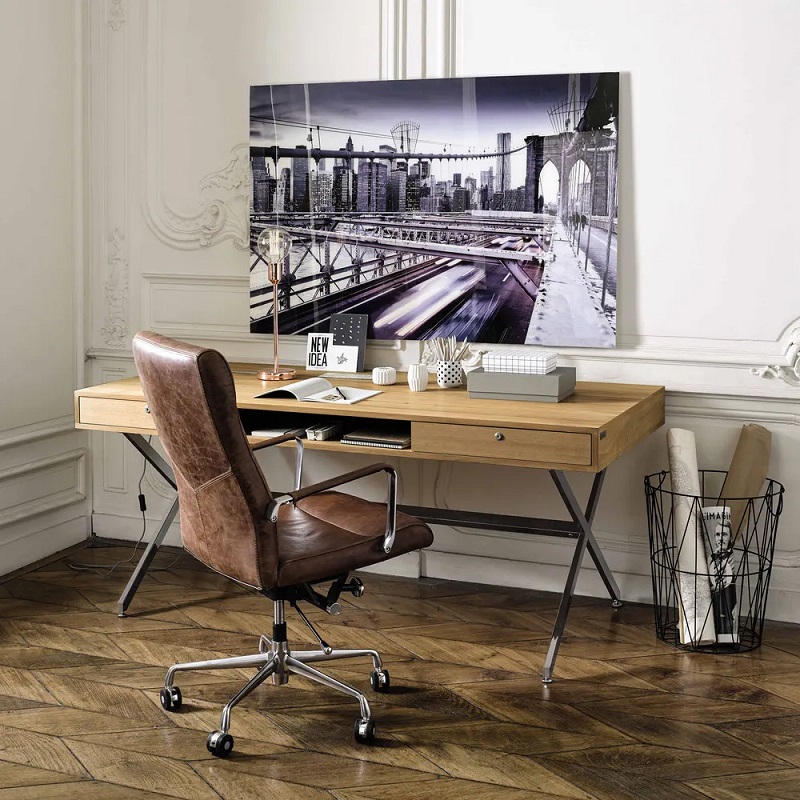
585, 433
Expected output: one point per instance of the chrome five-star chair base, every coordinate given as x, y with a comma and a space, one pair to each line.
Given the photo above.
277, 661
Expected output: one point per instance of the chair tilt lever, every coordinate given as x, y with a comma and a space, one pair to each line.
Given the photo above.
329, 602
326, 648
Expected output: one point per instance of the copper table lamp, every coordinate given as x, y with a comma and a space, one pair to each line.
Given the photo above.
273, 245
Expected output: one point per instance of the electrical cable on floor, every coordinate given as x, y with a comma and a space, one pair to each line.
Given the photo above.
107, 569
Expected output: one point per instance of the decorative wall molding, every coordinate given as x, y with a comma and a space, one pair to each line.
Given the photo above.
107, 109
790, 372
224, 196
115, 327
393, 40
208, 320
14, 437
417, 39
450, 39
39, 470
116, 14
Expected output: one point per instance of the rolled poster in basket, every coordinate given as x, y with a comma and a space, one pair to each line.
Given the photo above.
746, 474
694, 586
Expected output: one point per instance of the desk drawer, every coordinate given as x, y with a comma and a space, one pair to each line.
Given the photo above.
116, 414
511, 444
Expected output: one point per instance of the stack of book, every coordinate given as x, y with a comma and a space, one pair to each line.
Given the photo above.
392, 436
521, 376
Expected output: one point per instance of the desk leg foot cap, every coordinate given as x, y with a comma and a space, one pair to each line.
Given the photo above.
122, 615
547, 680
616, 604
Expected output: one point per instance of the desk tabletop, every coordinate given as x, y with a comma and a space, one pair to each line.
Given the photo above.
615, 415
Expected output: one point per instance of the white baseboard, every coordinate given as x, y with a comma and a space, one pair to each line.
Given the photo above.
41, 543
783, 603
405, 566
529, 575
128, 527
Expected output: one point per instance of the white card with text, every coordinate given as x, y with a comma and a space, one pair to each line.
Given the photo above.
318, 351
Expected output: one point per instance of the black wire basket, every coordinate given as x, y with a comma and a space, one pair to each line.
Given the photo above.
711, 559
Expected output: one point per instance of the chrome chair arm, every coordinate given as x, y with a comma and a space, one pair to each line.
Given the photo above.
286, 437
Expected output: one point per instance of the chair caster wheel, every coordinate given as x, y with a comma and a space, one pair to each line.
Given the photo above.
170, 698
616, 604
219, 744
364, 731
379, 680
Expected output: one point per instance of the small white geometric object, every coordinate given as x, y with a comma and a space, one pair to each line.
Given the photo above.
418, 377
384, 376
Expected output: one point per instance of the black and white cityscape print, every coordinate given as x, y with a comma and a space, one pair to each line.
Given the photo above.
481, 208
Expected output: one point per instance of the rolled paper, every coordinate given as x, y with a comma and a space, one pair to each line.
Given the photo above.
746, 474
694, 585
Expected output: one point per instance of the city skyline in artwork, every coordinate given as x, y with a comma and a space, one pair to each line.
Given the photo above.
437, 207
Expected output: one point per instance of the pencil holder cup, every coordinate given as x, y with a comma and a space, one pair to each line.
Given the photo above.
449, 374
418, 377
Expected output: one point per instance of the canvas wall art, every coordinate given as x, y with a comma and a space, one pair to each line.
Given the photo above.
484, 208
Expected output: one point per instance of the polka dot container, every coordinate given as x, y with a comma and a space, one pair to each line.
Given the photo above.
449, 374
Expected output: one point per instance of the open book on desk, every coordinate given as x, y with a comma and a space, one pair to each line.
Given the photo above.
318, 390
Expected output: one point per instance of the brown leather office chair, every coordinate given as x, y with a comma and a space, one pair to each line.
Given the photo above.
281, 546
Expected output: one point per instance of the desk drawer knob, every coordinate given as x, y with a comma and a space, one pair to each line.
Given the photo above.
499, 436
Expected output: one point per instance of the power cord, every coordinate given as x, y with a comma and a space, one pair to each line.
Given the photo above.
107, 569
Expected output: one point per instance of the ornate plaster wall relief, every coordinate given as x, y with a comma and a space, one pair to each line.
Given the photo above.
789, 373
115, 326
116, 14
223, 202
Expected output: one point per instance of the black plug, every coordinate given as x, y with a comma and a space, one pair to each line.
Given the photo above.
142, 504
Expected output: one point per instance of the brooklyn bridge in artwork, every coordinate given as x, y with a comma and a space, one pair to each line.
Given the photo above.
484, 208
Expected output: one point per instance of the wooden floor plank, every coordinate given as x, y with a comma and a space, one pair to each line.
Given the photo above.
87, 790
158, 774
781, 785
22, 775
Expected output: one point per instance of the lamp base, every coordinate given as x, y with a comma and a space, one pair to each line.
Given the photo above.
280, 375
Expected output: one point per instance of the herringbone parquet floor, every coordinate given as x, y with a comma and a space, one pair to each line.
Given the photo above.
468, 717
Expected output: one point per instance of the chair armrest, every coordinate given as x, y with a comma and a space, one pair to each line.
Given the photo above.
261, 443
348, 477
286, 437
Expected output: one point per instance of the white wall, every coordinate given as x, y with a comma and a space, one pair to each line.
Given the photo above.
42, 497
708, 290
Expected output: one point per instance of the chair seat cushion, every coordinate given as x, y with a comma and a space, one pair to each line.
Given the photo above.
332, 533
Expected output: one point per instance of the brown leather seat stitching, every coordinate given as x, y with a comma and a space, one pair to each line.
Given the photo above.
227, 474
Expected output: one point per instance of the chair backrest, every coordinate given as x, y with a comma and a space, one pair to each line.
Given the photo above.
222, 492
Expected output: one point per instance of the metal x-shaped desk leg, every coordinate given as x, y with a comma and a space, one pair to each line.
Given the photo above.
163, 468
585, 541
